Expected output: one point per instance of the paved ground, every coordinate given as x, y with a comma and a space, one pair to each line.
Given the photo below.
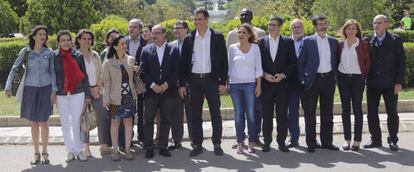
17, 158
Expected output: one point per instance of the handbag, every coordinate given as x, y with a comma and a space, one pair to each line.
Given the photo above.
18, 80
139, 84
88, 118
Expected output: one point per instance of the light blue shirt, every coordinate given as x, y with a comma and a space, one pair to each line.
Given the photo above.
40, 70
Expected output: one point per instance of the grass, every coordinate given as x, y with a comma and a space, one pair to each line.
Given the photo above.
9, 106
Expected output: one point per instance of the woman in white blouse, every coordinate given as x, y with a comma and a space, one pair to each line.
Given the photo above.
354, 63
245, 71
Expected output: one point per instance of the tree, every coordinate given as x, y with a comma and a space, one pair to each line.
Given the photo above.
8, 19
59, 14
109, 22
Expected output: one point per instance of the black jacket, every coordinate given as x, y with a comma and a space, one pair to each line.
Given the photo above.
83, 86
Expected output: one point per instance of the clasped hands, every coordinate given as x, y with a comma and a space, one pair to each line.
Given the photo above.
159, 89
275, 78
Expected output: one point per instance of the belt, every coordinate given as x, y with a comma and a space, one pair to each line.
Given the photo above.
349, 74
200, 75
323, 74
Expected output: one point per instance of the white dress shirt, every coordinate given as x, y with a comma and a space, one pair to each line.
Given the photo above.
273, 46
298, 45
201, 53
324, 50
244, 67
349, 59
133, 46
160, 52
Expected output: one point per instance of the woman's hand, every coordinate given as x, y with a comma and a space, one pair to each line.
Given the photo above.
53, 98
8, 93
258, 91
136, 68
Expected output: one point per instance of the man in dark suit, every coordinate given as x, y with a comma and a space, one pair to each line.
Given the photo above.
279, 64
204, 66
385, 78
160, 73
316, 70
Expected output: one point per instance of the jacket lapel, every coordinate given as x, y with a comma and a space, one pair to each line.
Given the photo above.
212, 41
165, 55
155, 54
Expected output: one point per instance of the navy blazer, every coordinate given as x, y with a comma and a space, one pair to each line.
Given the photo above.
308, 61
154, 72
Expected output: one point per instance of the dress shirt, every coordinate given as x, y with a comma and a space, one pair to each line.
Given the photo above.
298, 45
244, 67
324, 50
160, 52
201, 53
133, 46
379, 39
349, 59
91, 71
273, 46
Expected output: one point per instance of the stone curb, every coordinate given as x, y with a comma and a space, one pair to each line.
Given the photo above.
226, 113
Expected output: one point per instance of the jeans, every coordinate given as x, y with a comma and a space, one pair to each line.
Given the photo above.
243, 97
295, 97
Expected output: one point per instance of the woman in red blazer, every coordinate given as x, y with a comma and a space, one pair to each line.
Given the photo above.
353, 62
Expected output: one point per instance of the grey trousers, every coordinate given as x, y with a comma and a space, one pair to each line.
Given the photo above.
177, 120
104, 123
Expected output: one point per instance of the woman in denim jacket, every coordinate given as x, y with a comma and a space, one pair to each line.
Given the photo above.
73, 92
39, 88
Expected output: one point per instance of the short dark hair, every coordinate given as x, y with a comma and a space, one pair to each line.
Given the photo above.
149, 26
316, 18
112, 52
63, 32
34, 32
80, 34
277, 18
203, 11
183, 23
108, 34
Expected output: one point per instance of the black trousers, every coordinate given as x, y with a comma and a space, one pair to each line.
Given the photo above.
140, 117
390, 100
323, 88
166, 106
177, 120
208, 88
351, 89
275, 94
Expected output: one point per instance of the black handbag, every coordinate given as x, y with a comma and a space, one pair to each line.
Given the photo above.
20, 72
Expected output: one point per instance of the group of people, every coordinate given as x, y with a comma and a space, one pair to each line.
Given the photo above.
264, 73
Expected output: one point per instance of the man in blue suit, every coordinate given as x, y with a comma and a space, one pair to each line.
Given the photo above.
160, 73
316, 70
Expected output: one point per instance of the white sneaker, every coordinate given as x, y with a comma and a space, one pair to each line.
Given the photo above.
81, 157
70, 157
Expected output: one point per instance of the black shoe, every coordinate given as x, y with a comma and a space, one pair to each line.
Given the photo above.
258, 143
283, 148
394, 146
311, 149
291, 144
149, 154
122, 149
175, 146
197, 150
266, 147
330, 147
318, 145
164, 152
218, 150
372, 144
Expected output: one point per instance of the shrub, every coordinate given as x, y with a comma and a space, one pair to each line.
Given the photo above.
100, 29
8, 53
169, 26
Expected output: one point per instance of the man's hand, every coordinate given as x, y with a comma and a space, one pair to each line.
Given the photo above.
222, 89
269, 78
182, 92
164, 87
279, 77
156, 88
397, 88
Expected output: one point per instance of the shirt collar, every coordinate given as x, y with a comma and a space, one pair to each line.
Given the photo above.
138, 40
380, 37
353, 45
271, 38
297, 40
162, 46
320, 38
208, 33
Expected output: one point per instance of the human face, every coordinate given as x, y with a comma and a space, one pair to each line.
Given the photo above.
146, 33
321, 26
351, 31
180, 31
121, 47
40, 37
297, 30
274, 27
246, 16
244, 35
158, 36
85, 41
65, 42
200, 21
380, 25
133, 29
111, 37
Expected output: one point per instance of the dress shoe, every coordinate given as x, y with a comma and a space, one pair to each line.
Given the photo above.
165, 153
318, 145
218, 150
346, 146
394, 146
372, 144
311, 149
149, 153
291, 144
330, 147
355, 148
283, 148
197, 150
258, 143
175, 146
266, 147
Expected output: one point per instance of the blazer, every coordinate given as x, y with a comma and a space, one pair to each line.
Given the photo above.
308, 61
364, 59
387, 61
285, 61
218, 55
83, 86
154, 72
112, 79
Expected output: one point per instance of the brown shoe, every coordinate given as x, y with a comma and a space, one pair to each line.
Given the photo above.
115, 157
107, 151
129, 156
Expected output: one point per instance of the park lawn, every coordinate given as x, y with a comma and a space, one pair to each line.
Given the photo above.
9, 106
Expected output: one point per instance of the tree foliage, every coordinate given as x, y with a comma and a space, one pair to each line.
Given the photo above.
100, 29
8, 18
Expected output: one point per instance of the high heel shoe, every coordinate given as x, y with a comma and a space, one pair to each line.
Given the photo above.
46, 160
36, 159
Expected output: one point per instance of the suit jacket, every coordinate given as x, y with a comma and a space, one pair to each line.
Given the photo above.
364, 59
154, 72
308, 61
285, 61
142, 44
387, 61
218, 55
